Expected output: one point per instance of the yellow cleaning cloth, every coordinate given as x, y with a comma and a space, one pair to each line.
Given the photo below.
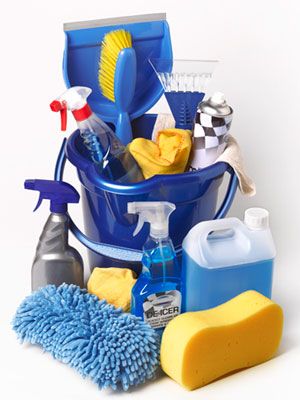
112, 284
169, 155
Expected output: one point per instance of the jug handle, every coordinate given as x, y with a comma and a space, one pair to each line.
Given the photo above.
207, 227
126, 254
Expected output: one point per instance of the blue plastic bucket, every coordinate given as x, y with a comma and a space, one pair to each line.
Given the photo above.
104, 203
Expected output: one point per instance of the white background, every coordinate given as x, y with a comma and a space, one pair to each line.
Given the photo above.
258, 44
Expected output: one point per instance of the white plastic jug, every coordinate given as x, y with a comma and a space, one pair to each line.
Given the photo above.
223, 258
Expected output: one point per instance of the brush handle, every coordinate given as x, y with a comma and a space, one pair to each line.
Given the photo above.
124, 88
123, 128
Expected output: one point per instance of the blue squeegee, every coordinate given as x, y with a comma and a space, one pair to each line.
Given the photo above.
112, 348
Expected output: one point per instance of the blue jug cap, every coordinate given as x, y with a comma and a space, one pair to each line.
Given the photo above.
59, 193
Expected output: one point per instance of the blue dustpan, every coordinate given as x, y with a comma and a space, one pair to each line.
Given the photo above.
150, 39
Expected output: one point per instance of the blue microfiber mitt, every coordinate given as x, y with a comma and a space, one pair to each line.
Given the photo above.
110, 347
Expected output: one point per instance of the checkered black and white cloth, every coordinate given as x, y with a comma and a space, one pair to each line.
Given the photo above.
210, 135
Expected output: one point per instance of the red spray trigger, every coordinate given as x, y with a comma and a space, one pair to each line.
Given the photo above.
61, 106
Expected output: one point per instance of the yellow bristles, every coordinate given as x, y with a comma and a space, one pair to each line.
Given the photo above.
111, 46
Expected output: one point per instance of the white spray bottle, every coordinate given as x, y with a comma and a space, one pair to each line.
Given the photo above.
156, 296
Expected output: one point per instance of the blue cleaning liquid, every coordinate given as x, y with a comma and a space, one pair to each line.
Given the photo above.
92, 143
204, 288
115, 163
121, 167
156, 296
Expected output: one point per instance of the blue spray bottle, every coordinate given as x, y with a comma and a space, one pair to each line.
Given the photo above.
156, 296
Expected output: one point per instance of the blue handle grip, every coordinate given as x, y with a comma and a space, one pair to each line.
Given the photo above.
229, 196
124, 87
125, 254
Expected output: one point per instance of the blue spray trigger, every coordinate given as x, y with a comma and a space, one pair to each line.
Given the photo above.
39, 202
59, 193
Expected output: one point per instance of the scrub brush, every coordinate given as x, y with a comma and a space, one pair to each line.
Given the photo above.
112, 348
117, 77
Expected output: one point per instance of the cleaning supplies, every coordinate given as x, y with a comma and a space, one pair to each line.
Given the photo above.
225, 257
102, 343
55, 261
117, 77
200, 347
105, 203
156, 296
184, 83
169, 155
113, 285
211, 128
116, 162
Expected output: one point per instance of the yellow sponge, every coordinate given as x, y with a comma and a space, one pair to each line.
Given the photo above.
112, 284
199, 347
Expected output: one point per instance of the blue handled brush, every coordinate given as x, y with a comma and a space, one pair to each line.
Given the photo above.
112, 348
117, 77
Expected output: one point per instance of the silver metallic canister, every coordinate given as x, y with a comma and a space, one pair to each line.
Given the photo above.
211, 128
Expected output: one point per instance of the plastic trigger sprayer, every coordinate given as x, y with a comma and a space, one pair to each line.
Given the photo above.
105, 149
75, 100
55, 261
156, 296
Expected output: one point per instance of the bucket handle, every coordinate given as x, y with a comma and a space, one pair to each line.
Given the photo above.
122, 253
108, 250
229, 196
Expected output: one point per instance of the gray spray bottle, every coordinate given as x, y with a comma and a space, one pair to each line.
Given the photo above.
55, 261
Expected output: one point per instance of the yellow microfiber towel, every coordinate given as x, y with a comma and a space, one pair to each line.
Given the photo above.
112, 284
169, 155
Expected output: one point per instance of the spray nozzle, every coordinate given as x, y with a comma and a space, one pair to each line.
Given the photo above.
61, 106
75, 100
218, 98
59, 193
157, 213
